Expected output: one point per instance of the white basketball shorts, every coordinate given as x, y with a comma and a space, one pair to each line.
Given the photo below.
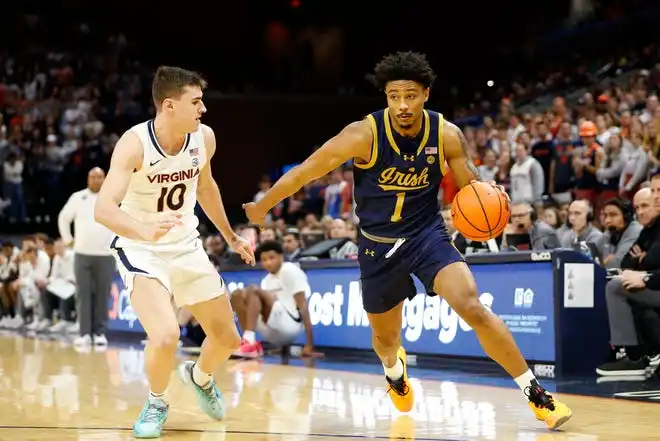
184, 269
282, 328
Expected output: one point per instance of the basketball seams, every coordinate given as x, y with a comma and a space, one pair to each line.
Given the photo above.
483, 210
479, 234
465, 218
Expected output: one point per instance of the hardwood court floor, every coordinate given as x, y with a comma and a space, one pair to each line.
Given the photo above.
49, 391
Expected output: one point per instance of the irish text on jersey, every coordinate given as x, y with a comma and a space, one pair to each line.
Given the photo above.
395, 179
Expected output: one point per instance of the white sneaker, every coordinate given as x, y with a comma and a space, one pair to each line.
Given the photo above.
100, 340
74, 328
43, 325
16, 323
4, 321
83, 340
32, 326
60, 326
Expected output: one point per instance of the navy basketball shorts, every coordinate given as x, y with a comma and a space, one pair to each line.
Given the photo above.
385, 268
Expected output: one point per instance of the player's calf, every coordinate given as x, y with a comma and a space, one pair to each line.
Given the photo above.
217, 319
456, 284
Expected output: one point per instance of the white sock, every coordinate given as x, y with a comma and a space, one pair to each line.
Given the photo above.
161, 396
525, 380
249, 336
396, 371
201, 379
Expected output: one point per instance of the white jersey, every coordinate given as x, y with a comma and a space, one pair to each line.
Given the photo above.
285, 284
165, 184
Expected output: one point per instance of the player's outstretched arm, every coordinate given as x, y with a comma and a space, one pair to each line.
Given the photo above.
126, 158
210, 199
354, 141
457, 156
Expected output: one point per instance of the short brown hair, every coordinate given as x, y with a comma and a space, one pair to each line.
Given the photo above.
169, 83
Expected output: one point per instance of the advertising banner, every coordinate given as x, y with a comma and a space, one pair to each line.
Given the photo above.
521, 294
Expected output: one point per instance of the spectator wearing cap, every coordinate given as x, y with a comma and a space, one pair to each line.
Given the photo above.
586, 162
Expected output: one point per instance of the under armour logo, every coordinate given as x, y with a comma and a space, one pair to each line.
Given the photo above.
370, 253
408, 157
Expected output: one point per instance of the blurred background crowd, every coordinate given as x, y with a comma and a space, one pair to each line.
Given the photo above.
564, 107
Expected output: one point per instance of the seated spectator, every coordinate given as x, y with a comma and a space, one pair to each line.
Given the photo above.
8, 274
621, 232
580, 218
551, 217
638, 283
349, 250
523, 219
267, 234
62, 271
278, 309
291, 245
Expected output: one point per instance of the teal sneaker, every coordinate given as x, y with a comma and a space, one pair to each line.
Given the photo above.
209, 399
150, 422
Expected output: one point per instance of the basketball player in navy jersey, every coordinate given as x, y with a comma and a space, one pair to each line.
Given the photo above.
400, 155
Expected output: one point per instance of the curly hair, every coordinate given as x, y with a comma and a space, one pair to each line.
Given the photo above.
409, 65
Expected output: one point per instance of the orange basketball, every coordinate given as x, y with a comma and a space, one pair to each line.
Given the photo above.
480, 211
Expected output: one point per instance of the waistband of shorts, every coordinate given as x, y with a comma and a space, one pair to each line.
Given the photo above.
380, 239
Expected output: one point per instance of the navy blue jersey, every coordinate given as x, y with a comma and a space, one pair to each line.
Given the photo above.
397, 191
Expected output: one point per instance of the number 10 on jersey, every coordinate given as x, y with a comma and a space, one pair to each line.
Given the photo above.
172, 196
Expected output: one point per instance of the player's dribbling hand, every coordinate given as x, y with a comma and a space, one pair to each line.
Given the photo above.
243, 248
254, 214
153, 232
500, 188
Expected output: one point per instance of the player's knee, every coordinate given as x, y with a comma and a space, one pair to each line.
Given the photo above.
224, 336
387, 339
473, 311
165, 339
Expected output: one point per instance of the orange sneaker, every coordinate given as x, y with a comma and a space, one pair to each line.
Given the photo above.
546, 408
400, 392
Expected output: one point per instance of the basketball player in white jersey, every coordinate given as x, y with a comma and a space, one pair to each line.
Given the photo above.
159, 170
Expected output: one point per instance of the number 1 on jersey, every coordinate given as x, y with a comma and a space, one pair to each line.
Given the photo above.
398, 207
167, 195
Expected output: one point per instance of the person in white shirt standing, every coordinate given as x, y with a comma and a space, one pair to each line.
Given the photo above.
278, 310
94, 264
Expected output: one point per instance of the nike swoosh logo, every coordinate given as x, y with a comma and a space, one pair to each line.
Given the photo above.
152, 163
